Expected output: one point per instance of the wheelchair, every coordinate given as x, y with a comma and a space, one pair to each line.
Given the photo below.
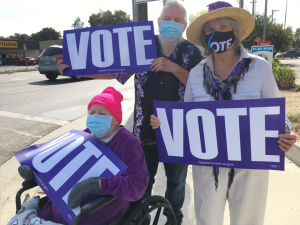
135, 215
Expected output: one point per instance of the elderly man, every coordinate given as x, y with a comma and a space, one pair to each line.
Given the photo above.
166, 82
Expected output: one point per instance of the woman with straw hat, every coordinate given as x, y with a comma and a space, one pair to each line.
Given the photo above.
229, 73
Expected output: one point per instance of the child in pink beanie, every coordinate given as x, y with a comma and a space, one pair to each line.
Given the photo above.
104, 119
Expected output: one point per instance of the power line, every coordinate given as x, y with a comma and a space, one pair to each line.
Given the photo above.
243, 5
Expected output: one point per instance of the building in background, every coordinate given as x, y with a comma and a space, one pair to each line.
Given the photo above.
46, 44
13, 50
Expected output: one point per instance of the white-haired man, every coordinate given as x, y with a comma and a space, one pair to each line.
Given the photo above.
166, 82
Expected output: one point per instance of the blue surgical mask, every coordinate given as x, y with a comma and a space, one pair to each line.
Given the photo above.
99, 125
171, 30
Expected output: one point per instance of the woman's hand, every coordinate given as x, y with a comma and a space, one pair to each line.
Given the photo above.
82, 190
155, 123
286, 141
61, 67
26, 173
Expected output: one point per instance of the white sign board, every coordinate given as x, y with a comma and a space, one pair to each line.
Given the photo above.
265, 52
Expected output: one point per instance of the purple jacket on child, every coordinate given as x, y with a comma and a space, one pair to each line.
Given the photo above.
127, 188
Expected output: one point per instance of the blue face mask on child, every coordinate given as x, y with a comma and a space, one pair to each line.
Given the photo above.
99, 125
171, 30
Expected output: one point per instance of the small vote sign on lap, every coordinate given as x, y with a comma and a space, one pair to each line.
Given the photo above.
66, 160
233, 134
127, 47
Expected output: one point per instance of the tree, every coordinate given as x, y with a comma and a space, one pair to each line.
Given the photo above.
46, 34
108, 18
77, 24
282, 39
2, 37
297, 38
17, 36
195, 15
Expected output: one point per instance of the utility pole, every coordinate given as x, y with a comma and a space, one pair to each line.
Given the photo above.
273, 13
139, 11
253, 7
241, 3
285, 14
265, 21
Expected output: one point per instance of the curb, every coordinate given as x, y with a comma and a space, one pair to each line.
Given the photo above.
17, 71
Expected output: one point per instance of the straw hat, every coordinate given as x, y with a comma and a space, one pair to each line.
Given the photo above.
218, 10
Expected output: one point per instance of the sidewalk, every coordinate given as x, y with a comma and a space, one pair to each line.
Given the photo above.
13, 69
283, 206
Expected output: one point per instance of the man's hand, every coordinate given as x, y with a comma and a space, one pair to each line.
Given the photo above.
162, 64
83, 190
286, 141
155, 123
25, 172
61, 67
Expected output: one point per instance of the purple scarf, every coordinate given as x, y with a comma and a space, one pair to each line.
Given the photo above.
221, 91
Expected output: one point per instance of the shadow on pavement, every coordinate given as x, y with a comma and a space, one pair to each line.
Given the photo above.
65, 80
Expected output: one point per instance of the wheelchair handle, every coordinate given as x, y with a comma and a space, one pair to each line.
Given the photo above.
26, 186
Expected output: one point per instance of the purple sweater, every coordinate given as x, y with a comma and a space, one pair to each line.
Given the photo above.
127, 188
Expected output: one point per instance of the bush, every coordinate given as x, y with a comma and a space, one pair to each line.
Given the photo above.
275, 62
285, 77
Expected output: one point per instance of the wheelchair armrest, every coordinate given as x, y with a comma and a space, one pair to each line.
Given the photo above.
29, 184
93, 206
26, 185
96, 204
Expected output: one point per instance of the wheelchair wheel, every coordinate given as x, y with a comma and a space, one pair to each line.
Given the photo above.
139, 212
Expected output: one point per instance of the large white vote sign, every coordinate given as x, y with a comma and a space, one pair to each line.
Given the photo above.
66, 160
127, 47
236, 134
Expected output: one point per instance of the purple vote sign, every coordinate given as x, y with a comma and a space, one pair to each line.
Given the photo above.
233, 134
64, 161
127, 47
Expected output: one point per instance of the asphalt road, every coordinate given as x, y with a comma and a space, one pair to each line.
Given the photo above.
32, 106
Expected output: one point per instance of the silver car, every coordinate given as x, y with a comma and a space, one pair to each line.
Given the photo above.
48, 62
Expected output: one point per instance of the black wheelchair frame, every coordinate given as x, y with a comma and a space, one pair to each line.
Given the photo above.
135, 215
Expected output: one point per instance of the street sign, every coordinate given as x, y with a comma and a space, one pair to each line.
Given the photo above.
264, 43
265, 52
144, 1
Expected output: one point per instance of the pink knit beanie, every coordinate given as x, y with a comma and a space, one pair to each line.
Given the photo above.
111, 99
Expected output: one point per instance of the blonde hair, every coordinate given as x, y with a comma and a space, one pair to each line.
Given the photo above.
206, 51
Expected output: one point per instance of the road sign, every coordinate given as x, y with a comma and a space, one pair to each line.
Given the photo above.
265, 52
264, 43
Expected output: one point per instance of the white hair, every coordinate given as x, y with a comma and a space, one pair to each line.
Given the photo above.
177, 3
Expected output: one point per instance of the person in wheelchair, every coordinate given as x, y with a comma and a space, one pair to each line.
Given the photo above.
103, 121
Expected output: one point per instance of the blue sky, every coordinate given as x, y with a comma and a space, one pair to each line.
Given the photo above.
29, 17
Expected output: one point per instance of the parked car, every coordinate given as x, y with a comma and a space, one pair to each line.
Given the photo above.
279, 55
48, 62
23, 61
291, 54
